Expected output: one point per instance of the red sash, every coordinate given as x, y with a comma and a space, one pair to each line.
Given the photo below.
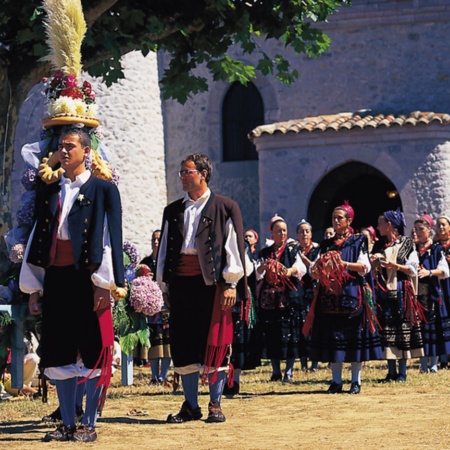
63, 255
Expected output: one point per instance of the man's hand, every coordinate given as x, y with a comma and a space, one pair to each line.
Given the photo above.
33, 304
228, 298
102, 298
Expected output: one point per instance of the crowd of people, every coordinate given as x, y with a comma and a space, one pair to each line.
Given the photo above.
356, 296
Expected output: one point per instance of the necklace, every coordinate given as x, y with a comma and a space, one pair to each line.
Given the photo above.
339, 239
424, 246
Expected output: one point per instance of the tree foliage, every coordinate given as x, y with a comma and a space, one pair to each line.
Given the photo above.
193, 32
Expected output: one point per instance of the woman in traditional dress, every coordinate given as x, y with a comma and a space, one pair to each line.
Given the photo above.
158, 324
443, 236
251, 237
432, 270
246, 354
308, 251
280, 300
395, 266
342, 316
371, 236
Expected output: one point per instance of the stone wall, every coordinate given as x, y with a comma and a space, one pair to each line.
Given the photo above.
132, 129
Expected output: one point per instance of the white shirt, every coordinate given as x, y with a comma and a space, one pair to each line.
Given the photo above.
233, 270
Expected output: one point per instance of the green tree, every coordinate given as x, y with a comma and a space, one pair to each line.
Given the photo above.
193, 32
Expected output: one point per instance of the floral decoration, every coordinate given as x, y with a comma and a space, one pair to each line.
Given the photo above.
131, 257
29, 179
66, 96
25, 214
146, 296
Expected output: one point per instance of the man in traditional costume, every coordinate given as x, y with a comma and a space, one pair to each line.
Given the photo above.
72, 262
73, 258
200, 265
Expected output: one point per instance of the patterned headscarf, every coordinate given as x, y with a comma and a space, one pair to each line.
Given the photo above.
274, 219
347, 208
251, 230
428, 219
372, 232
397, 218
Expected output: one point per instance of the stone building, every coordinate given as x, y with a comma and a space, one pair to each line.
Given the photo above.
366, 122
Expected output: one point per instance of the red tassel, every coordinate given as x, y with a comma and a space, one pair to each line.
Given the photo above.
106, 355
414, 310
330, 272
220, 338
309, 320
231, 375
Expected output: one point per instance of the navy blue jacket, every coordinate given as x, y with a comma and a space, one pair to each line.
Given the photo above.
86, 220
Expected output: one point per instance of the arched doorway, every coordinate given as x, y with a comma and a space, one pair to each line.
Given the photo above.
367, 189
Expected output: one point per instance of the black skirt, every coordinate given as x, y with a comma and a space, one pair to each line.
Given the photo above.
69, 325
191, 306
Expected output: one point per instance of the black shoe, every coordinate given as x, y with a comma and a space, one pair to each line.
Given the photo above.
61, 434
388, 378
84, 434
154, 382
231, 391
444, 365
186, 414
400, 378
335, 388
55, 416
288, 379
215, 414
355, 388
275, 377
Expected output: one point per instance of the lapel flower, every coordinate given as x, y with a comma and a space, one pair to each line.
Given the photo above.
80, 198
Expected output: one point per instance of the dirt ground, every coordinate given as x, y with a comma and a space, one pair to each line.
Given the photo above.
411, 415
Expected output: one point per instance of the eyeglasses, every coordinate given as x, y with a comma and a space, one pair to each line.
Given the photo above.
183, 173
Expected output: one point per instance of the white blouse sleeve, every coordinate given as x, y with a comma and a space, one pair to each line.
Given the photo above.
31, 277
103, 277
162, 252
413, 262
234, 269
443, 265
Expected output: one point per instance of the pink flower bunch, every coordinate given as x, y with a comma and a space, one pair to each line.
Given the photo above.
146, 296
67, 86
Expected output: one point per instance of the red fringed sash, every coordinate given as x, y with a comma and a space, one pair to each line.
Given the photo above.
309, 320
105, 359
414, 310
220, 338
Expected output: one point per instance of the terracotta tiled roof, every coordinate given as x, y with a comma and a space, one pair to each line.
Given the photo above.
348, 121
